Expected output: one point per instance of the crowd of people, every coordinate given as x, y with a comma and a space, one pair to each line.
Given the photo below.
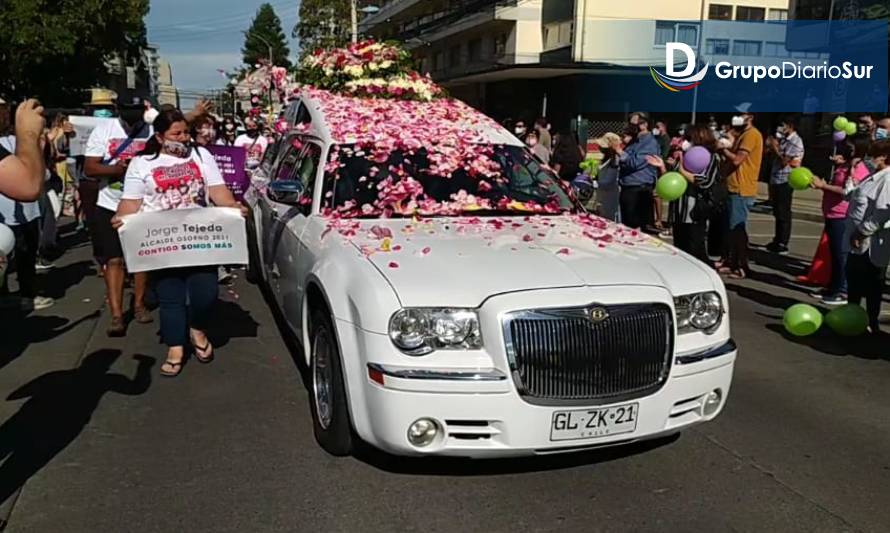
122, 172
711, 219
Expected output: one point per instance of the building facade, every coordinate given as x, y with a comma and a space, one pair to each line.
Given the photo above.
527, 58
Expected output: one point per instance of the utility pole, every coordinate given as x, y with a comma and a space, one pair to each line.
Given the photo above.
353, 19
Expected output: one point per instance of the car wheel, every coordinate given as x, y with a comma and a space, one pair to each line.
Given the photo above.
327, 393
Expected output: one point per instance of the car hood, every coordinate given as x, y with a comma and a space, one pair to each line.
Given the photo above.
461, 262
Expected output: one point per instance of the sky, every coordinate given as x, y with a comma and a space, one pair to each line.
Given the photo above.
198, 37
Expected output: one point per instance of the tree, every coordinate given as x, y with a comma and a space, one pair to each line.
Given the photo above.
56, 53
323, 24
266, 28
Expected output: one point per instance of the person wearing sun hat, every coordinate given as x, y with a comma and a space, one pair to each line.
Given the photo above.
608, 191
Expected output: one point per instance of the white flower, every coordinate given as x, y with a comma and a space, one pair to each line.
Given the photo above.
385, 64
353, 71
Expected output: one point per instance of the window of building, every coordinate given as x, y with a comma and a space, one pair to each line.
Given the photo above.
474, 50
558, 34
750, 13
778, 14
746, 48
439, 62
717, 47
454, 59
670, 31
500, 45
775, 49
720, 12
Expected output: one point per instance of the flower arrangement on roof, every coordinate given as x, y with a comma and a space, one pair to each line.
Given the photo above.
368, 69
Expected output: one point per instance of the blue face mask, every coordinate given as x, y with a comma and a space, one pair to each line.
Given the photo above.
103, 113
880, 133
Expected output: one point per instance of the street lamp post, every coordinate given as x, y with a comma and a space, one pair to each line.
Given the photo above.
353, 16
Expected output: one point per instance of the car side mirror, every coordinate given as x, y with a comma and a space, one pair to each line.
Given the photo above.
288, 192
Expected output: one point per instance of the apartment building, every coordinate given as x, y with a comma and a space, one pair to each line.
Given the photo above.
522, 58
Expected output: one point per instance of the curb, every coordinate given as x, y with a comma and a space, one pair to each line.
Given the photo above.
762, 207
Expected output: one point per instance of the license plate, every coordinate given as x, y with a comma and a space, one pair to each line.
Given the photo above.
593, 423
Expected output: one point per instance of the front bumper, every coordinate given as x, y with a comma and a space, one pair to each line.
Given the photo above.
481, 414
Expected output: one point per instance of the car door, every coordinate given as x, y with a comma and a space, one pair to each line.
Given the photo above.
291, 224
269, 209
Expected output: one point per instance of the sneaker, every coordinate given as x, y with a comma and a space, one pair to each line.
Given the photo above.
41, 302
43, 265
777, 248
834, 299
819, 294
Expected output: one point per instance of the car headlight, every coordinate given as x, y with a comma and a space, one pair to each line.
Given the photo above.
419, 331
698, 312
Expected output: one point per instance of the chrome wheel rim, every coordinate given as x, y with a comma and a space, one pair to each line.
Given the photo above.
321, 379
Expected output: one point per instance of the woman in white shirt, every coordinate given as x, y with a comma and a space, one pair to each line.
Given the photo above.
173, 174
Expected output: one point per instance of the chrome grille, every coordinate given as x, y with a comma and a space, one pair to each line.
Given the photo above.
564, 354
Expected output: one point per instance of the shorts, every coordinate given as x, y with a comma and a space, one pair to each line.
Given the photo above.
739, 206
106, 241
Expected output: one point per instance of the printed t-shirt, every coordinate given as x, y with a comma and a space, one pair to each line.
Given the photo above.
165, 182
255, 146
104, 141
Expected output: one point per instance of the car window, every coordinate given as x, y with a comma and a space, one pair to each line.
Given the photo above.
289, 163
269, 157
307, 168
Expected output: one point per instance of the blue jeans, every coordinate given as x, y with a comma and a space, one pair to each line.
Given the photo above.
739, 207
185, 296
737, 242
835, 228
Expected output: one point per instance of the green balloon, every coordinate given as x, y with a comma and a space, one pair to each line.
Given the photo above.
851, 128
802, 319
840, 123
849, 320
800, 178
671, 186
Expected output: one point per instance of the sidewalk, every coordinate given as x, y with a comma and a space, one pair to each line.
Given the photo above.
806, 204
92, 438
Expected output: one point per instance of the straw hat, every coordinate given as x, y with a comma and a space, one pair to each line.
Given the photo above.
100, 96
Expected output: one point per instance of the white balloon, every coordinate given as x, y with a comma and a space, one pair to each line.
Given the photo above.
7, 240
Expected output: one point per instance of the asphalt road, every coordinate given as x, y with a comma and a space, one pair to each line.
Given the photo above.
803, 444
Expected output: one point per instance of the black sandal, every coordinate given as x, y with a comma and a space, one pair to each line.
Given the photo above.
175, 364
203, 349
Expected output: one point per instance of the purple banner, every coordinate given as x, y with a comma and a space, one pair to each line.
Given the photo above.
231, 161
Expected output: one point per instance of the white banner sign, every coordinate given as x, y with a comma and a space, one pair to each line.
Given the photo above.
83, 126
184, 238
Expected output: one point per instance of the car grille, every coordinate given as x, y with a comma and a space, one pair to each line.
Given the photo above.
563, 355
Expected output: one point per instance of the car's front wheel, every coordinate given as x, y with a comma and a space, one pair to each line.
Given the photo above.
330, 410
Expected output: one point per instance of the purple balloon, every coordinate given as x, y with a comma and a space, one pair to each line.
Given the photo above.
697, 159
839, 136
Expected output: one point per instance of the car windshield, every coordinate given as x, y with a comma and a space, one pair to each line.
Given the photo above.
408, 183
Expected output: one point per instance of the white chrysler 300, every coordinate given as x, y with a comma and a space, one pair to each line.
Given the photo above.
483, 333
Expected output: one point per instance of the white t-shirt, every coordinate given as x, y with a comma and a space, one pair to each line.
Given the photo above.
166, 182
13, 212
104, 142
255, 147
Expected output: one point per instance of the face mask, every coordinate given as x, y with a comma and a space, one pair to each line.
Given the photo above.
176, 148
230, 127
103, 113
253, 132
532, 142
519, 131
685, 145
150, 115
656, 132
208, 133
881, 133
738, 121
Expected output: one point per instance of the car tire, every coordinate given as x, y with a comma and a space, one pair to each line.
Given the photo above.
327, 391
253, 274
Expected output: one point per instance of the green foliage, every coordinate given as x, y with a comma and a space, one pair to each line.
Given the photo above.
323, 24
54, 50
266, 28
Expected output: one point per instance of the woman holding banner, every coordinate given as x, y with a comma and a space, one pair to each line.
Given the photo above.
171, 174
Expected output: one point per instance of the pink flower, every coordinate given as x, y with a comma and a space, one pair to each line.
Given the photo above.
563, 251
527, 238
393, 264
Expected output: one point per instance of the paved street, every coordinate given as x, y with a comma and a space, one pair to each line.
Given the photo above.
803, 445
